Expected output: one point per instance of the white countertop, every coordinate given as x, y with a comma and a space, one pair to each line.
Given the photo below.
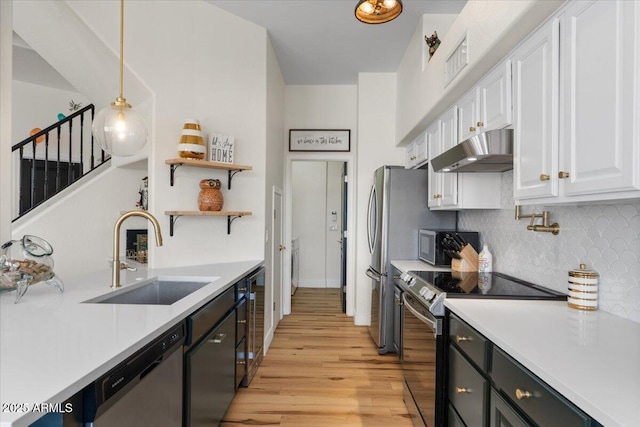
591, 358
52, 345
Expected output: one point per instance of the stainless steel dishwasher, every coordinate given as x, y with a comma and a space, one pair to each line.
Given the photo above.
144, 390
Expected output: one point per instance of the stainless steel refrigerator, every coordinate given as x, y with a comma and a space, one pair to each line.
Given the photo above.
397, 210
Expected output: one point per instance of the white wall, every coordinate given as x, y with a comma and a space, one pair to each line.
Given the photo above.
274, 162
316, 190
36, 106
198, 62
6, 39
493, 28
309, 201
376, 130
84, 51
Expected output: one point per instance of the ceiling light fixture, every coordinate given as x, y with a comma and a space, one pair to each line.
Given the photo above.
119, 129
378, 11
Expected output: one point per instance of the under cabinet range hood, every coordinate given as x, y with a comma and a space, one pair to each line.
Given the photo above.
490, 151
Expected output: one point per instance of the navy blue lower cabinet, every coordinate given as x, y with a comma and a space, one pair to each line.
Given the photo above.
525, 391
501, 414
487, 387
467, 390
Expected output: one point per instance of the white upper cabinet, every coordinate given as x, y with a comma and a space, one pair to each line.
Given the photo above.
488, 105
468, 114
420, 150
416, 153
600, 79
535, 124
577, 134
496, 99
410, 156
434, 146
448, 190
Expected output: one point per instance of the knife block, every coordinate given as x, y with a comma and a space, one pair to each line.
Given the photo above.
468, 280
468, 261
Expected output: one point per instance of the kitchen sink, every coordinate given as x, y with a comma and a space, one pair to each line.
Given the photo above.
156, 291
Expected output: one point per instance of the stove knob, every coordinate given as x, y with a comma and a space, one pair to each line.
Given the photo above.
412, 281
429, 295
423, 291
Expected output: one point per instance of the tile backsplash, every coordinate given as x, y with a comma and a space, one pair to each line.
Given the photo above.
605, 237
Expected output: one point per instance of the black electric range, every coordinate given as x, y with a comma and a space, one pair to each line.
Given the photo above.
431, 288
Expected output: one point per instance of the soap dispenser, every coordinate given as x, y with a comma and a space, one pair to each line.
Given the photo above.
485, 260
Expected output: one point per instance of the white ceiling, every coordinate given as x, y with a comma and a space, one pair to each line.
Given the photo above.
321, 42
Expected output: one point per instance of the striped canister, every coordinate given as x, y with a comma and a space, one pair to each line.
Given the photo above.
192, 144
583, 289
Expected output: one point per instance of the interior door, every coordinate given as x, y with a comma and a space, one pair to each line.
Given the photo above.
343, 241
279, 256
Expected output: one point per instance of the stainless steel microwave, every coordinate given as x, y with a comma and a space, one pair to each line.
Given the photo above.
430, 247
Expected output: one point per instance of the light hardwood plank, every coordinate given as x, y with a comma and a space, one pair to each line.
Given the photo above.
322, 371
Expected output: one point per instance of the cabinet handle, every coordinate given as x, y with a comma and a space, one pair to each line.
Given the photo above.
241, 362
544, 177
472, 129
523, 394
242, 290
437, 196
461, 339
242, 322
480, 124
461, 390
563, 175
217, 339
281, 248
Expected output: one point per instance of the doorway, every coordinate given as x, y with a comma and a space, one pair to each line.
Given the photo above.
277, 258
318, 220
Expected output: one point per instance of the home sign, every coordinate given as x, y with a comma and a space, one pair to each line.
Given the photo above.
221, 148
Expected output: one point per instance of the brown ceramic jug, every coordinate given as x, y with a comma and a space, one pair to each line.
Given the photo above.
210, 197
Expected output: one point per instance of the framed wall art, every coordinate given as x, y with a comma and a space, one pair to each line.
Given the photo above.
319, 140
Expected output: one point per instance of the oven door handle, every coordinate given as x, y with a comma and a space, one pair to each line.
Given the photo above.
432, 323
373, 274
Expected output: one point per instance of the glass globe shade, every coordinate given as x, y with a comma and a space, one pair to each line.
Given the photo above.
366, 7
119, 130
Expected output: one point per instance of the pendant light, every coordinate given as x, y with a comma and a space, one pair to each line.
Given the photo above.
378, 11
119, 129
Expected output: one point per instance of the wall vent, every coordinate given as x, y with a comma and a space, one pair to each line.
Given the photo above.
458, 59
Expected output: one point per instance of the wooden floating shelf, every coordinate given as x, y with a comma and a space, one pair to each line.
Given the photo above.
231, 216
230, 167
206, 164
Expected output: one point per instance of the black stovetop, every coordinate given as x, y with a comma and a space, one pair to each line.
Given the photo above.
487, 285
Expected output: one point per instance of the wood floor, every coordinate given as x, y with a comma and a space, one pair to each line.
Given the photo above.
321, 370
